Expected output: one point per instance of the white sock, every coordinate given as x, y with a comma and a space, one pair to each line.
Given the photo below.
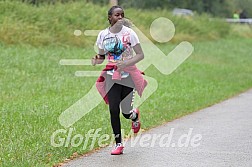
133, 115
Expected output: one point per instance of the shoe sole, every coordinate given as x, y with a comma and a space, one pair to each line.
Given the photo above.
138, 120
117, 154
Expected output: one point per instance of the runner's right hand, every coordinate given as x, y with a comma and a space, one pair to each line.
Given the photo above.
97, 59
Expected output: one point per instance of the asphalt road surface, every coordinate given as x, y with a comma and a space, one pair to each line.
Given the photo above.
218, 136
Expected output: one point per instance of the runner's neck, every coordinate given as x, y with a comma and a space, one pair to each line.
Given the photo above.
115, 29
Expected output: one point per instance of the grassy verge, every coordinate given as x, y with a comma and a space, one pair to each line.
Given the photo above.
35, 89
55, 24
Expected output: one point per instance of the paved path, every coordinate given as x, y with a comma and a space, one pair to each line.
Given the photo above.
225, 128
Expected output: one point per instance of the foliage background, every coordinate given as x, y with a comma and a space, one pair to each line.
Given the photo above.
217, 8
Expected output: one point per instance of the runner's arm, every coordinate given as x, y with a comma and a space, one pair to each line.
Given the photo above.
138, 57
99, 58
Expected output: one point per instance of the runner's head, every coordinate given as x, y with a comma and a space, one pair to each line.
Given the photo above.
115, 13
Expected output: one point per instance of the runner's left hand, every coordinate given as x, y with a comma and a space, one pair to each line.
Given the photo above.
121, 65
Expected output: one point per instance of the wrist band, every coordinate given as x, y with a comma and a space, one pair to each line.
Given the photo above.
102, 56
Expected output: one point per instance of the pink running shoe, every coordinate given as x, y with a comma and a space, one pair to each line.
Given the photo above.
136, 124
118, 149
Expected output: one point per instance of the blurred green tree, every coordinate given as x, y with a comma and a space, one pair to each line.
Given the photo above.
219, 8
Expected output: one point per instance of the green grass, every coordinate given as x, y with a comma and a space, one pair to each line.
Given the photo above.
35, 89
54, 24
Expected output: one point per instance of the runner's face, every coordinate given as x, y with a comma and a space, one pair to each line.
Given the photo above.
117, 14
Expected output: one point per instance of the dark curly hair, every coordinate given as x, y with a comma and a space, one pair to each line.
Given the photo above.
110, 11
